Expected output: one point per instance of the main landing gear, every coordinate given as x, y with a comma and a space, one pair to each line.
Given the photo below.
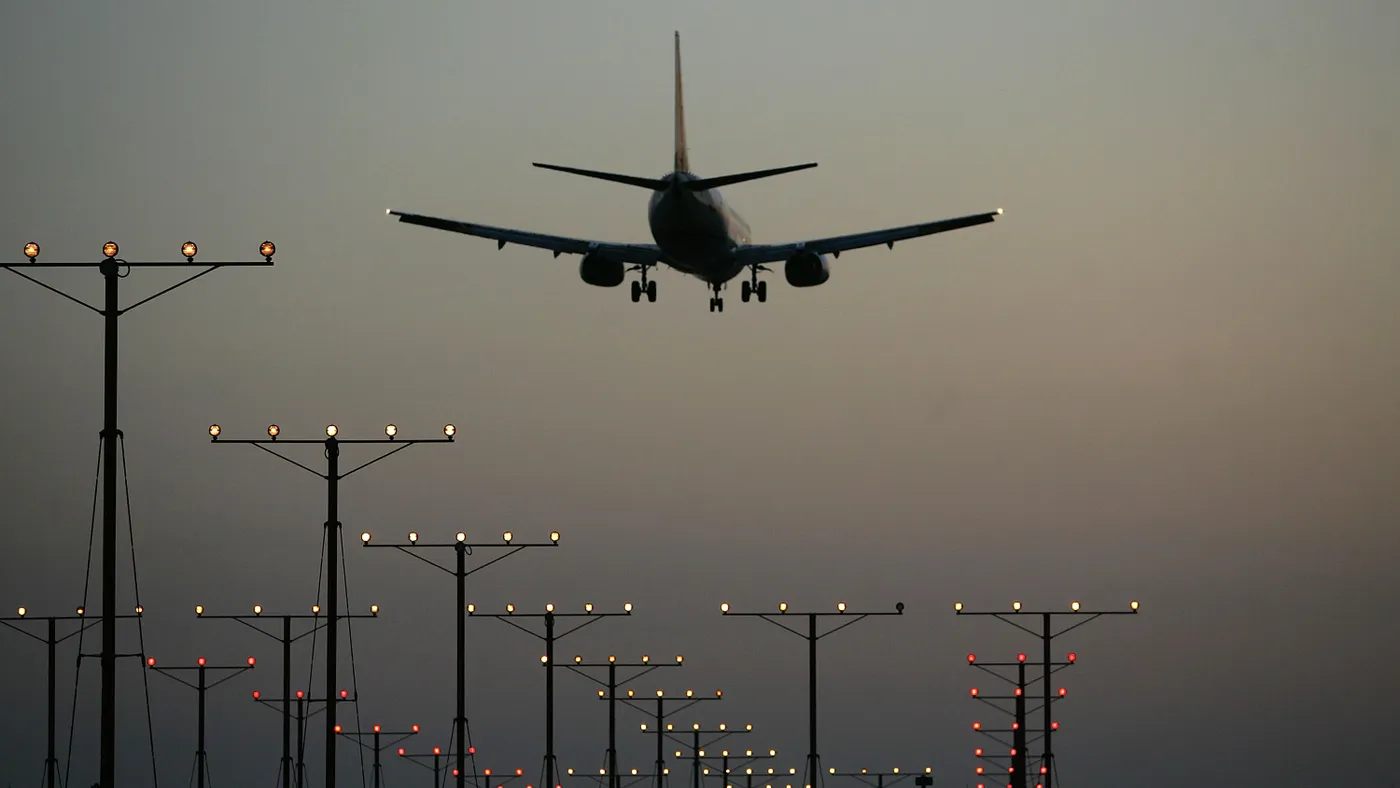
643, 286
754, 287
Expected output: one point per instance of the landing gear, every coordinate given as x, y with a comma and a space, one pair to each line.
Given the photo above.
716, 302
753, 287
644, 286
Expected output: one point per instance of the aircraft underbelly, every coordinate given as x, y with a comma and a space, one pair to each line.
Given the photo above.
694, 237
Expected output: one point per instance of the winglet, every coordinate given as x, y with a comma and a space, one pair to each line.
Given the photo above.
682, 163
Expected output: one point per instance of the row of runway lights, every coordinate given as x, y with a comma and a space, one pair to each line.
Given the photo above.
188, 250
549, 607
391, 430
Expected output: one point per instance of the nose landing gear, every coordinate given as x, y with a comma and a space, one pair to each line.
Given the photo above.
716, 302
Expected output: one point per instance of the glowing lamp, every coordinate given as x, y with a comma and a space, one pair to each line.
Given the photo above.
1133, 604
344, 694
267, 249
974, 692
301, 694
1072, 656
256, 694
1062, 692
337, 729
578, 658
140, 609
376, 729
645, 659
273, 431
31, 250
315, 608
971, 658
374, 610
214, 430
679, 659
401, 751
22, 611
977, 752
413, 536
331, 430
510, 608
1016, 605
612, 657
554, 536
391, 430
461, 537
109, 249
957, 606
200, 661
252, 661
365, 537
449, 430
150, 662
782, 607
1054, 726
588, 607
257, 610
80, 611
977, 726
471, 608
841, 607
437, 751
1020, 657
627, 607
549, 607
1074, 606
724, 607
189, 250
199, 610
507, 536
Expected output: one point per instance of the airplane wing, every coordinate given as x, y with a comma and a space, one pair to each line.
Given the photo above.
772, 253
636, 254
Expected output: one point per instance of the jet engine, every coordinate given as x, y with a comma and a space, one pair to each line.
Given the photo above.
599, 271
807, 269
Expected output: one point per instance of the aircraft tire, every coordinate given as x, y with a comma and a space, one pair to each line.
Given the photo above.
651, 291
761, 291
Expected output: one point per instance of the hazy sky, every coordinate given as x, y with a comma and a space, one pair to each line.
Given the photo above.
1169, 374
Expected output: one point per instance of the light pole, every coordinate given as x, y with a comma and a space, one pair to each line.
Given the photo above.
303, 698
1015, 760
201, 687
462, 548
1047, 634
52, 640
286, 639
377, 734
662, 727
896, 775
610, 695
697, 747
332, 476
111, 267
812, 771
591, 616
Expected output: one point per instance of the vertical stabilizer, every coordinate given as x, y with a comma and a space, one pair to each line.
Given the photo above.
682, 163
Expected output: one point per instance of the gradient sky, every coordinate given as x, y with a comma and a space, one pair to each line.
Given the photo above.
1170, 372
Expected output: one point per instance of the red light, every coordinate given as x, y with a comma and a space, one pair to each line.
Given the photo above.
1013, 750
519, 772
256, 694
1021, 657
345, 693
337, 729
980, 770
1044, 770
1018, 692
438, 751
1010, 770
977, 752
1071, 656
974, 692
971, 657
471, 751
1062, 692
1015, 726
486, 772
980, 785
151, 662
401, 751
201, 662
300, 694
376, 729
415, 728
454, 772
1054, 726
977, 726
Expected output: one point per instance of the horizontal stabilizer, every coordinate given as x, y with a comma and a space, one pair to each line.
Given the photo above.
631, 180
702, 184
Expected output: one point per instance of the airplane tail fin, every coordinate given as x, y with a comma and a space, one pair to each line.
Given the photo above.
682, 163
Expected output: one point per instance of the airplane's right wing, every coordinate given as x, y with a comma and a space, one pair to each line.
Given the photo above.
772, 253
635, 254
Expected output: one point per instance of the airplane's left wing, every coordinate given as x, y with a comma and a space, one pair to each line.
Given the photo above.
772, 253
636, 254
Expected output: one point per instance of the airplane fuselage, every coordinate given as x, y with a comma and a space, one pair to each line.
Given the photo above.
696, 230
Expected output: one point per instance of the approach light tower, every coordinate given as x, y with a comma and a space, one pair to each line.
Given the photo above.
113, 270
1047, 634
332, 444
812, 773
610, 695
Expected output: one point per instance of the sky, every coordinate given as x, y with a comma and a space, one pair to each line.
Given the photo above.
1167, 374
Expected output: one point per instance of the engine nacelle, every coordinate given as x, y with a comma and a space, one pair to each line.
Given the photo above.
807, 269
599, 271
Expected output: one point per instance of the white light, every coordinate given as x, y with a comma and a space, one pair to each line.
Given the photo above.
331, 430
461, 537
507, 536
627, 607
257, 610
1074, 606
413, 536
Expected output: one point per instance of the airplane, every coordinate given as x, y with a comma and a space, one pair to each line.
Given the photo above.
696, 231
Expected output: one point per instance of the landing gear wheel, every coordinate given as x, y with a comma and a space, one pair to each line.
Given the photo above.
719, 304
712, 304
637, 291
651, 292
760, 290
745, 291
